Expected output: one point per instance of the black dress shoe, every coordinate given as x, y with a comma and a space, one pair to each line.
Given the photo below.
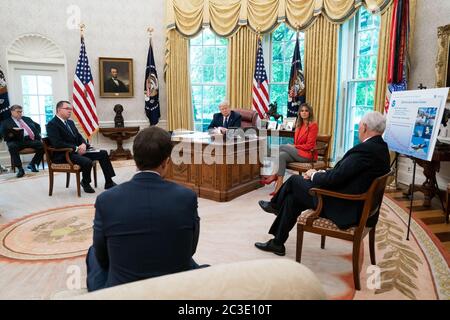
32, 167
269, 246
87, 187
20, 173
109, 185
267, 207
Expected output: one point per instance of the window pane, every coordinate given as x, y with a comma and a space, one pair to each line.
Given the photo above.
196, 74
208, 55
365, 42
208, 73
208, 37
277, 72
363, 67
33, 106
48, 109
360, 94
221, 55
196, 41
277, 52
44, 85
221, 74
196, 55
29, 85
289, 51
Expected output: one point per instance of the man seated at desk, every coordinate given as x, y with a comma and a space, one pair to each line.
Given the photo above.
225, 119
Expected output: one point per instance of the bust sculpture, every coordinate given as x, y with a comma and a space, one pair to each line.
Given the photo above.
118, 119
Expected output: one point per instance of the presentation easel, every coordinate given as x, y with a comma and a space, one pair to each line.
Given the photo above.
412, 128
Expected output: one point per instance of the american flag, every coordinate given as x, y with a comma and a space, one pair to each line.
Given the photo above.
260, 85
83, 94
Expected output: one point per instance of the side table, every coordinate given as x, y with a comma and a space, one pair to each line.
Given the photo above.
119, 135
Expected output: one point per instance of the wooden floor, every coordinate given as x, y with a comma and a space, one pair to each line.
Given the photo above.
433, 216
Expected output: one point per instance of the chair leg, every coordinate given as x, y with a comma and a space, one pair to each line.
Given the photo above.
50, 187
298, 257
372, 246
78, 184
322, 242
95, 173
67, 179
355, 259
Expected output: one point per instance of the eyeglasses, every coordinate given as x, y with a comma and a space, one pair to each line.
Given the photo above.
67, 108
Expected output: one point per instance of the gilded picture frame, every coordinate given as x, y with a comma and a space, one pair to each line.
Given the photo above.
116, 77
443, 58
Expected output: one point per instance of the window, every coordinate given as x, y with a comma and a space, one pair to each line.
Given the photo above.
359, 46
208, 65
37, 95
283, 44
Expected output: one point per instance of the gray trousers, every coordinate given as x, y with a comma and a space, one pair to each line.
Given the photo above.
288, 153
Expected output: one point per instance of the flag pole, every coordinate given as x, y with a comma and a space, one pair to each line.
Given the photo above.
297, 29
150, 31
82, 27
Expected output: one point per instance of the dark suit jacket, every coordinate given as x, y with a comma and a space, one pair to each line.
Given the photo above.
110, 86
233, 121
9, 124
353, 175
144, 228
60, 137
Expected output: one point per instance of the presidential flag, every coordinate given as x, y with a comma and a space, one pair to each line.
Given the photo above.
4, 101
260, 95
151, 86
84, 106
296, 89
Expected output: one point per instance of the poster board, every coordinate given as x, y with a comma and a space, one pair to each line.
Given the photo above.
413, 121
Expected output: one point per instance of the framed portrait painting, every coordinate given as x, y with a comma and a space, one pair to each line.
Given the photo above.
116, 77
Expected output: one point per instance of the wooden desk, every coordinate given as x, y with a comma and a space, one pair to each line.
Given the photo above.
224, 179
119, 135
281, 133
428, 188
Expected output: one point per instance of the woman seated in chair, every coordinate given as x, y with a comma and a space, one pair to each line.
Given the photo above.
302, 151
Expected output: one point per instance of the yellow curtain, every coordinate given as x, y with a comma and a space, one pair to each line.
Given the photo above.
383, 59
224, 16
321, 41
241, 65
179, 102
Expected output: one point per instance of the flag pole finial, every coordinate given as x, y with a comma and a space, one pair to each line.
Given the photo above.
150, 31
258, 32
82, 27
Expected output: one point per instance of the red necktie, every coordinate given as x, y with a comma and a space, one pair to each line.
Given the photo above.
24, 126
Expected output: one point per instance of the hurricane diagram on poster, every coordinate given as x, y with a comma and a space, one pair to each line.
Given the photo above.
413, 121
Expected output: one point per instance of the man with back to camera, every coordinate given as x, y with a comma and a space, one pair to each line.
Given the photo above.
353, 174
113, 84
225, 119
63, 133
146, 227
31, 138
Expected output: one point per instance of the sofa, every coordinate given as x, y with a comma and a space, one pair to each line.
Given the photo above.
266, 279
249, 117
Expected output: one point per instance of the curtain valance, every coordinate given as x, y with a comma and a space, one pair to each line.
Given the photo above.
225, 16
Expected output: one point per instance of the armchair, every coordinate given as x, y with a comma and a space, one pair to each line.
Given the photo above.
68, 167
322, 148
310, 221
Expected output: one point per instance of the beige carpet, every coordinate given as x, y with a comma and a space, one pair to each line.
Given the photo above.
44, 240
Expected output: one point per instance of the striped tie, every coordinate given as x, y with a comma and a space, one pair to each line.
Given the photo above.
24, 126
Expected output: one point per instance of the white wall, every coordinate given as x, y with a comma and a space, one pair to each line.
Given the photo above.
430, 15
114, 28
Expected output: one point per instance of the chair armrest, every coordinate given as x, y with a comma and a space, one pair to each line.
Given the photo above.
353, 197
67, 152
322, 192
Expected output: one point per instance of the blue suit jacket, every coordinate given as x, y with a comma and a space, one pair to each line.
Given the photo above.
144, 228
233, 121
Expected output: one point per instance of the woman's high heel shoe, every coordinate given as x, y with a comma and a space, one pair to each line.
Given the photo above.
269, 179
